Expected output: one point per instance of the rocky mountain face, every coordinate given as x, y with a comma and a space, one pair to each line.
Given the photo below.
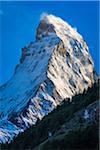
55, 67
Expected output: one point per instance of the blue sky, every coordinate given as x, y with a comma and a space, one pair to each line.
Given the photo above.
19, 20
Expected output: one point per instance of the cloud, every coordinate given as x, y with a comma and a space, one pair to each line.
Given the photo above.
75, 28
43, 15
1, 12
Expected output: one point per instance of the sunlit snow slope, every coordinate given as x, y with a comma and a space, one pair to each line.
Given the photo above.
54, 67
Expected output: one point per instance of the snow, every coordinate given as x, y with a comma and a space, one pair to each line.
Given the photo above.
86, 114
64, 30
51, 70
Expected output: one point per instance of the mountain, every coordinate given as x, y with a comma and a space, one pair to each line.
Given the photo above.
55, 67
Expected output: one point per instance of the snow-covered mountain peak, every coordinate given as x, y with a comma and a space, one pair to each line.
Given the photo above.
50, 24
55, 67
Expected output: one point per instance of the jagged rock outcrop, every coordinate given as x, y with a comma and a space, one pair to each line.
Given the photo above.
56, 66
